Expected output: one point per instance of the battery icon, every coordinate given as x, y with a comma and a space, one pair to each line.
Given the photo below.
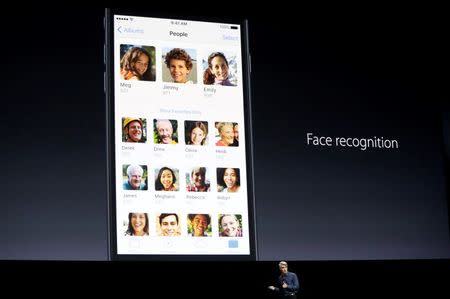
234, 27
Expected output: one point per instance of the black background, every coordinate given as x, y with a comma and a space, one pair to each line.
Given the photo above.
54, 200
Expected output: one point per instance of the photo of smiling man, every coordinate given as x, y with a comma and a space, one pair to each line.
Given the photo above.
168, 225
165, 131
134, 129
134, 177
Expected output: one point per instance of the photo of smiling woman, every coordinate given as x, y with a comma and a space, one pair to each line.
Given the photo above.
219, 71
230, 225
137, 224
166, 179
196, 132
226, 133
137, 62
228, 180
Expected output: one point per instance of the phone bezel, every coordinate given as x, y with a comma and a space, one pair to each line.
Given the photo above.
110, 140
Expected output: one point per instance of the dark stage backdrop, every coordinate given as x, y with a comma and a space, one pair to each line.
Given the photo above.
332, 75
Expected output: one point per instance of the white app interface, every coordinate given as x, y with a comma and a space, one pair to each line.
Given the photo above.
180, 156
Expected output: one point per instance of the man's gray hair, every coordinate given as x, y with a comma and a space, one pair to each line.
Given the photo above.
159, 122
134, 168
282, 263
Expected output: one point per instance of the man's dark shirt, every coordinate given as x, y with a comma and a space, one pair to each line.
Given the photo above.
291, 280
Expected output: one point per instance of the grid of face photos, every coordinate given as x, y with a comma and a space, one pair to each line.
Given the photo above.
179, 65
181, 176
167, 131
197, 133
172, 224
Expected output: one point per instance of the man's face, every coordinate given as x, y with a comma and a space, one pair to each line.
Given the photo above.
135, 179
165, 132
135, 131
199, 224
283, 269
169, 225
